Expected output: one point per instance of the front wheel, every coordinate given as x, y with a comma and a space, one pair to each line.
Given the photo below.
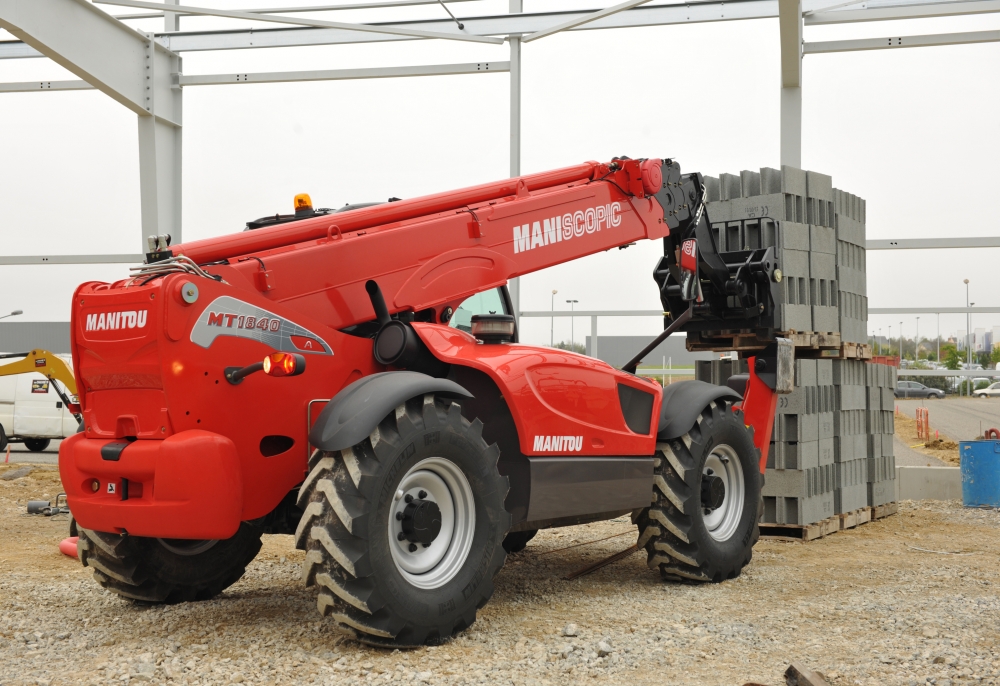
403, 532
36, 445
702, 525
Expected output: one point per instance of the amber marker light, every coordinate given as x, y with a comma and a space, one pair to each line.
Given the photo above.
284, 364
303, 202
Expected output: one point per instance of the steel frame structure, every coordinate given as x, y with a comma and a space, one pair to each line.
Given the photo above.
144, 71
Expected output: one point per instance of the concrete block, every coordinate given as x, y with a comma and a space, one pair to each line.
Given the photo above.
805, 373
750, 183
851, 448
823, 266
770, 181
881, 492
822, 239
825, 318
819, 186
874, 452
731, 187
793, 181
850, 231
826, 452
849, 373
850, 498
796, 456
793, 317
874, 398
888, 399
785, 510
849, 397
929, 483
824, 372
824, 425
797, 428
712, 189
792, 235
851, 473
799, 483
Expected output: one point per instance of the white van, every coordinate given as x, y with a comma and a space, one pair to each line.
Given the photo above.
32, 412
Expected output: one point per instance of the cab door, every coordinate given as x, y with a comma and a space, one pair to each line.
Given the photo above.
38, 409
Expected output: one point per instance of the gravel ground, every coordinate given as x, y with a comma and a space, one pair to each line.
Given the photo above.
874, 605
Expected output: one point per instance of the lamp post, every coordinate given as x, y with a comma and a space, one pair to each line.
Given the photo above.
572, 330
901, 341
13, 314
916, 342
968, 328
879, 340
890, 338
939, 338
552, 321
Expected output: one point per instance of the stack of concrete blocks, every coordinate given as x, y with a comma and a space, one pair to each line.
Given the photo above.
798, 213
831, 443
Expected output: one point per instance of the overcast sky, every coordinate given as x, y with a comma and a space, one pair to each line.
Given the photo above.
914, 132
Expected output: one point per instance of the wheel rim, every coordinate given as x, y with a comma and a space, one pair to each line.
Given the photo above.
443, 483
723, 521
187, 548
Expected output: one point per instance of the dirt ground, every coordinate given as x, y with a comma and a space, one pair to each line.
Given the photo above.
910, 599
939, 446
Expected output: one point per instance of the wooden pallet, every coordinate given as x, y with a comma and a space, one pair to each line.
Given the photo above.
808, 344
809, 532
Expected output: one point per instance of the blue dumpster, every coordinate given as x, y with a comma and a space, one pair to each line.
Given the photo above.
980, 473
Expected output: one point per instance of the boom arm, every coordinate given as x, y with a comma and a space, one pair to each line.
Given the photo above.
50, 366
428, 252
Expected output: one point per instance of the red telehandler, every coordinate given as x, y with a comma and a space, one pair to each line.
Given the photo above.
353, 378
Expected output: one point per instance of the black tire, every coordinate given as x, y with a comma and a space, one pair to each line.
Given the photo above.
36, 445
516, 541
3, 439
673, 530
153, 570
347, 500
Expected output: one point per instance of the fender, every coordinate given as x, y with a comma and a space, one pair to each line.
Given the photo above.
352, 414
683, 402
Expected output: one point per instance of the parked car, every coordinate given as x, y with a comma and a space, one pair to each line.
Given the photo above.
993, 390
32, 412
912, 389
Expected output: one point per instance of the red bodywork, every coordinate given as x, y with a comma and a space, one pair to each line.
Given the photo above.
150, 365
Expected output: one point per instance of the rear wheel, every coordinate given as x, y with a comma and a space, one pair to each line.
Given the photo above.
702, 525
403, 531
36, 445
162, 570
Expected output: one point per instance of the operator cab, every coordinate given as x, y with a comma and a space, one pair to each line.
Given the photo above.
304, 210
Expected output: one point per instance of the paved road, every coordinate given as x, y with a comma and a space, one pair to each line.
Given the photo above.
21, 455
960, 419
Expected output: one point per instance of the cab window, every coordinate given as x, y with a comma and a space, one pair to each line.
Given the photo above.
487, 302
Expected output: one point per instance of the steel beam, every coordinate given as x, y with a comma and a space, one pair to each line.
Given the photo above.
790, 34
70, 259
40, 86
933, 243
891, 43
515, 7
131, 67
282, 76
580, 21
594, 313
309, 8
278, 19
933, 310
527, 23
904, 10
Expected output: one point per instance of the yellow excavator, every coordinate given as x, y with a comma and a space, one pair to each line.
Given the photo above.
51, 367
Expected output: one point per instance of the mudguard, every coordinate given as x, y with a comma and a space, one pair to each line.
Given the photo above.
352, 414
683, 402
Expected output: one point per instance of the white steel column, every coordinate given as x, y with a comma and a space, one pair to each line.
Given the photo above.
516, 7
790, 28
171, 20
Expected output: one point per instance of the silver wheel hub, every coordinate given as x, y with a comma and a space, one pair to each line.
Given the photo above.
432, 520
723, 493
